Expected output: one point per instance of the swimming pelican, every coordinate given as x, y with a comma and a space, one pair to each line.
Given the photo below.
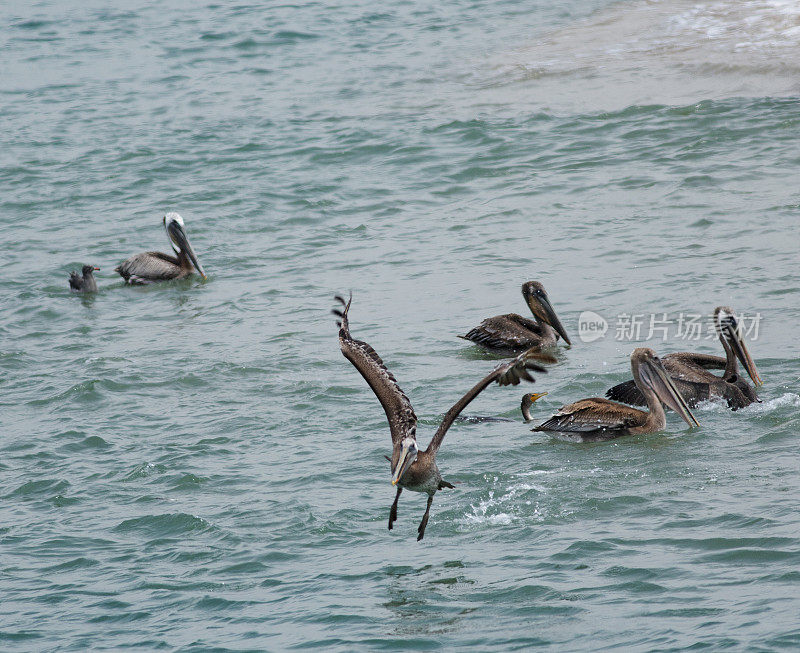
86, 283
512, 332
151, 267
412, 468
690, 372
600, 419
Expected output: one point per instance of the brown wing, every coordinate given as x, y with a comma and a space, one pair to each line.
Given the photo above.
402, 420
149, 267
687, 366
508, 373
596, 414
510, 331
688, 371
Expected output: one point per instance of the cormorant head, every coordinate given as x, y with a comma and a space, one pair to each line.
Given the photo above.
528, 401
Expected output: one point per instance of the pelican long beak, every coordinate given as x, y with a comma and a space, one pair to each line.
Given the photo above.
407, 457
731, 331
546, 313
178, 236
658, 378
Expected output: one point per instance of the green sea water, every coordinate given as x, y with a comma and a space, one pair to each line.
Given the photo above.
195, 467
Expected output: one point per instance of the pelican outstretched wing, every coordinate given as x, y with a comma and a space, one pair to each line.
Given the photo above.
508, 373
402, 420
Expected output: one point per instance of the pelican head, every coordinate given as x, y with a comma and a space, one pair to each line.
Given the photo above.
408, 454
536, 297
730, 333
173, 223
528, 401
650, 374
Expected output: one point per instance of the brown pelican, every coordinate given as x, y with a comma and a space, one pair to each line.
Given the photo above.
86, 283
413, 468
600, 419
150, 267
527, 403
690, 372
512, 332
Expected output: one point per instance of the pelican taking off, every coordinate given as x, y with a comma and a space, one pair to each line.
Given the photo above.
512, 332
85, 283
151, 267
690, 372
597, 419
413, 468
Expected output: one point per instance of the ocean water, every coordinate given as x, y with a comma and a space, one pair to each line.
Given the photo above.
194, 466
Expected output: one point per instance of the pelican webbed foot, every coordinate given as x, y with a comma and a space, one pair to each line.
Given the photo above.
393, 511
424, 521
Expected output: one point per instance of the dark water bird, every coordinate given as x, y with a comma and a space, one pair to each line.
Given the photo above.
690, 372
152, 267
527, 402
85, 283
597, 419
412, 468
513, 333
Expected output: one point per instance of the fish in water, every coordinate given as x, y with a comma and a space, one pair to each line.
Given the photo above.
152, 267
85, 283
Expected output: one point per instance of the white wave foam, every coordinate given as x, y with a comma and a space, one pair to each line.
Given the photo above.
537, 472
672, 51
482, 512
787, 399
754, 25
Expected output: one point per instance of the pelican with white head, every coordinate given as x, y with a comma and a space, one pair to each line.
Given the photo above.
152, 267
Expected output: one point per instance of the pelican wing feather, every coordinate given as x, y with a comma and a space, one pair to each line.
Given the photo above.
396, 405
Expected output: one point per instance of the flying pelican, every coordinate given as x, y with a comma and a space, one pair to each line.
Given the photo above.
413, 468
151, 267
600, 419
512, 332
86, 283
690, 372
